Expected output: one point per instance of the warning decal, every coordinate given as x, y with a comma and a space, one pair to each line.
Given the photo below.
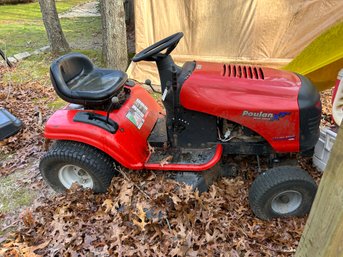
136, 113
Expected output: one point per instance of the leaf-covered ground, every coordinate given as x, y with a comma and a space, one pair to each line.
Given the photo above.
167, 219
325, 97
31, 103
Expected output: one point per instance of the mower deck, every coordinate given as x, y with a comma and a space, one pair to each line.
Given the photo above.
202, 180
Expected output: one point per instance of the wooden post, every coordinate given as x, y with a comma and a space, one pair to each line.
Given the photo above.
323, 234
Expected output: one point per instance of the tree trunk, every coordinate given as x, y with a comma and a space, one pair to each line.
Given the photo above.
114, 47
56, 38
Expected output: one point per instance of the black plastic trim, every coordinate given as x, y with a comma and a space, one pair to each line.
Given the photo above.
158, 136
193, 129
310, 110
185, 73
130, 83
247, 148
96, 120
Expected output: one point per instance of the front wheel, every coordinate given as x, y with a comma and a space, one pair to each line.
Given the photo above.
282, 192
69, 162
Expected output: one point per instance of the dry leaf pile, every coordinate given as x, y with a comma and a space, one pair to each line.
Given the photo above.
28, 102
325, 97
172, 221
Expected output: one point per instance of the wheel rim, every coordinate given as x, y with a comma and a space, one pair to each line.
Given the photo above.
69, 174
286, 202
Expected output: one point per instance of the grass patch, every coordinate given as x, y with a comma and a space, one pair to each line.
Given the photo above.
22, 29
57, 104
82, 32
12, 195
29, 37
20, 13
36, 68
33, 69
94, 55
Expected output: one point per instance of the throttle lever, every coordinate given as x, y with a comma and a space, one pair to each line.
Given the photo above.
114, 100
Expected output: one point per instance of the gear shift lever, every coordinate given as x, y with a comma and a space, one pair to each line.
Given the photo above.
114, 100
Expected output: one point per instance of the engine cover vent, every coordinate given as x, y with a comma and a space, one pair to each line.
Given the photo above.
242, 71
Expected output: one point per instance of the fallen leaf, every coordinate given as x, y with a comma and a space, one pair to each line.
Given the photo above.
28, 219
176, 199
151, 149
125, 194
108, 204
166, 160
141, 218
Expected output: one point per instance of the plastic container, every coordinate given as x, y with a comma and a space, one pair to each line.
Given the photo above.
9, 125
323, 148
337, 99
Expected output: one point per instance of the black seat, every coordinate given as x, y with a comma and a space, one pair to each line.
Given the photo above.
77, 80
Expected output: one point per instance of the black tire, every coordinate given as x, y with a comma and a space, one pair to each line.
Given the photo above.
282, 192
97, 165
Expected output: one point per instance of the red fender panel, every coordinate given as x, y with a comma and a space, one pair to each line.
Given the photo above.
128, 145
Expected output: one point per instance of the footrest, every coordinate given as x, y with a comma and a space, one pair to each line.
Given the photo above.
184, 159
9, 125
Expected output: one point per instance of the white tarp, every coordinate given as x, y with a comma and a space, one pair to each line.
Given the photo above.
268, 32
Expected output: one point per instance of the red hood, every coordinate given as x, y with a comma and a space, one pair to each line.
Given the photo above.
260, 83
242, 75
229, 91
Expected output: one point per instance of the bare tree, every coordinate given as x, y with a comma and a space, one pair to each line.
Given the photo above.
52, 24
114, 34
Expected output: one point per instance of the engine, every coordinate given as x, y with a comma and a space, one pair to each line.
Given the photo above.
229, 131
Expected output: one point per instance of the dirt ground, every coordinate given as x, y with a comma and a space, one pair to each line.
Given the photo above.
89, 9
18, 191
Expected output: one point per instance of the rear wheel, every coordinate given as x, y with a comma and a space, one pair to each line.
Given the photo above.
69, 162
282, 192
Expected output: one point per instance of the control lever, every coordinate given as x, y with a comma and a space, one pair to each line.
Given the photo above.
114, 101
148, 83
2, 54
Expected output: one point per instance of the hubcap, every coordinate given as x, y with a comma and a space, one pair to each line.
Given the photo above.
286, 202
69, 174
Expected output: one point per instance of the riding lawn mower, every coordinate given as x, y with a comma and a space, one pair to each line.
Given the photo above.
211, 111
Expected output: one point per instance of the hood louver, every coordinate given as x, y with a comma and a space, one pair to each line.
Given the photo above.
242, 71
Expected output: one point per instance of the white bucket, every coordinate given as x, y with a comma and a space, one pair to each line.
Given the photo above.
340, 74
337, 105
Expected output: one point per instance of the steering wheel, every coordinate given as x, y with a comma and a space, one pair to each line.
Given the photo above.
149, 53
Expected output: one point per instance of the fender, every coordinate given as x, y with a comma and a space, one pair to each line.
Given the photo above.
128, 145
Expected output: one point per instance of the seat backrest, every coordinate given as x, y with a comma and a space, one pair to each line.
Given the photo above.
65, 70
